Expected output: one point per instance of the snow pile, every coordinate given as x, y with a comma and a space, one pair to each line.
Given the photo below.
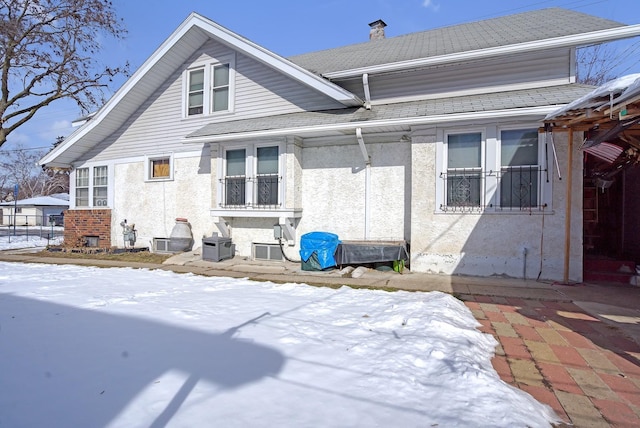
122, 347
621, 88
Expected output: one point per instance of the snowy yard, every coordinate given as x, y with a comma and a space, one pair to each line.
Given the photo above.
96, 347
9, 242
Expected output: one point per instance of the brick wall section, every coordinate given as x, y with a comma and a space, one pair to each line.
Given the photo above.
81, 223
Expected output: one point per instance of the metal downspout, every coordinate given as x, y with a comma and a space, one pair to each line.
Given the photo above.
367, 182
367, 93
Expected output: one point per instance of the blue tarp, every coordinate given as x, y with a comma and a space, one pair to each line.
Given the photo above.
324, 244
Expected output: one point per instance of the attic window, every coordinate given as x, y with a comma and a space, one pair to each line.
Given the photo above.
196, 92
208, 88
220, 88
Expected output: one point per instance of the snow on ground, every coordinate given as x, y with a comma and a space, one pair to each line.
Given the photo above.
22, 241
120, 347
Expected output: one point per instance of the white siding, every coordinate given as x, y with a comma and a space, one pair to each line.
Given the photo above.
513, 70
158, 125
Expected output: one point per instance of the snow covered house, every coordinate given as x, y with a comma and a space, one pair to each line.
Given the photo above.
36, 211
431, 138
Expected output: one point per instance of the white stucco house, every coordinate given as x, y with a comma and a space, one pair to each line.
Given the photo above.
434, 138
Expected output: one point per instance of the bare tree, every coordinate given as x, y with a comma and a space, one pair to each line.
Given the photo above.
596, 64
20, 167
600, 63
48, 51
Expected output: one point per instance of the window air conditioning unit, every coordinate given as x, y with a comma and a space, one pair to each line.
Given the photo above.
161, 245
267, 252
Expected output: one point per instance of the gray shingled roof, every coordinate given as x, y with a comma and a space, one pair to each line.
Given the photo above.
506, 30
556, 95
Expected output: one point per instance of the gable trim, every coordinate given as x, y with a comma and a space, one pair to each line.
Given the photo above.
224, 36
583, 39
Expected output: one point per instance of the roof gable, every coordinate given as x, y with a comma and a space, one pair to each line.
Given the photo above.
184, 41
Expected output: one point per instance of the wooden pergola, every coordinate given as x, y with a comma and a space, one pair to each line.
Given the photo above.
610, 118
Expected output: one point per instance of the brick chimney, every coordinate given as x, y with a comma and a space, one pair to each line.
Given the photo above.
377, 30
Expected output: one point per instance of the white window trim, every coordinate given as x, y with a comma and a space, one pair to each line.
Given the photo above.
110, 185
148, 171
443, 161
545, 188
490, 161
251, 166
208, 86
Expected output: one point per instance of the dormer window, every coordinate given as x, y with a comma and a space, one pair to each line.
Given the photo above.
209, 88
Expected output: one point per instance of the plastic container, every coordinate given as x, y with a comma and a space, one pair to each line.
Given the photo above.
181, 238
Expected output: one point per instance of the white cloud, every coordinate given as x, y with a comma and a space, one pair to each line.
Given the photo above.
431, 4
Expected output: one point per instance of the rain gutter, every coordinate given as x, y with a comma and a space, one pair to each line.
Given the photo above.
582, 39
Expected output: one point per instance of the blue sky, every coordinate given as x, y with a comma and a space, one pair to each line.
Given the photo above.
290, 27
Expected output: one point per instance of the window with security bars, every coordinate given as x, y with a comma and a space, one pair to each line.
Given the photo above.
235, 178
464, 172
252, 177
267, 176
520, 173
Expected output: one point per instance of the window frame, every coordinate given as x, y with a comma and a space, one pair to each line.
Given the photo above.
91, 186
208, 86
251, 177
86, 186
492, 170
540, 201
476, 170
98, 200
148, 167
190, 92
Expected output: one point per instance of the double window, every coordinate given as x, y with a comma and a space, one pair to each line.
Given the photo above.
494, 169
252, 177
209, 89
92, 186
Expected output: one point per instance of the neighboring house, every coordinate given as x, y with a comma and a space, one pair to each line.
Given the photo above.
37, 211
431, 138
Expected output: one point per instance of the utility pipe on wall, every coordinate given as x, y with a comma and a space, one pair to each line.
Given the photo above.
367, 182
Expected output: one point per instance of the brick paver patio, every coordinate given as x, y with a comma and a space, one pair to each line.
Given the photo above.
586, 370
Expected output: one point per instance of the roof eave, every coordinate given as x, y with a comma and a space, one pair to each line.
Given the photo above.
582, 39
541, 111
